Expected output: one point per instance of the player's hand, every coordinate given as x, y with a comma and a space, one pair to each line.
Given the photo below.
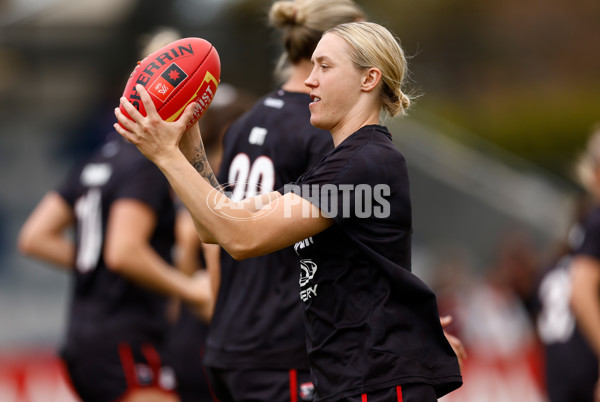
456, 343
199, 298
154, 137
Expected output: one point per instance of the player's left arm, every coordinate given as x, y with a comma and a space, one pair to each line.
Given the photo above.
44, 236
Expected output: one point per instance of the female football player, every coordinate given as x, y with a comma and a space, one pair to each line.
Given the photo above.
372, 327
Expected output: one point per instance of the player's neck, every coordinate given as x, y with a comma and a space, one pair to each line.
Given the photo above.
299, 73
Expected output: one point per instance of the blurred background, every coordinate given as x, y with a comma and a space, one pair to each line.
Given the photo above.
507, 92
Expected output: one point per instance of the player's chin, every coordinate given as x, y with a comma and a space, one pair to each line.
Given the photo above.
316, 121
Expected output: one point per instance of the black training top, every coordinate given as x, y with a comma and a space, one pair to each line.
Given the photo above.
105, 305
257, 321
571, 364
370, 322
587, 242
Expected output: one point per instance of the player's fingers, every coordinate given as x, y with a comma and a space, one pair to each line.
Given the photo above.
124, 120
446, 320
457, 345
136, 116
146, 100
124, 133
187, 114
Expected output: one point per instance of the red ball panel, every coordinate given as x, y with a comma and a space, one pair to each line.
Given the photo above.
187, 70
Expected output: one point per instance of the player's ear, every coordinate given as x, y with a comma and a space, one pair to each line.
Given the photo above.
370, 79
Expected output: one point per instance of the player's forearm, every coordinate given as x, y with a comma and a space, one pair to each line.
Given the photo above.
43, 234
212, 257
200, 197
58, 251
192, 147
142, 265
219, 220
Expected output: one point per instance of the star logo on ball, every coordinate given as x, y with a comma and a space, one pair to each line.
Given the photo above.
174, 75
166, 83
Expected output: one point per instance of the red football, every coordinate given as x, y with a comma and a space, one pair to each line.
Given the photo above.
184, 71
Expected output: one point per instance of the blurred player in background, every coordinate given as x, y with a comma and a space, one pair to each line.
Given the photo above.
373, 331
121, 211
569, 318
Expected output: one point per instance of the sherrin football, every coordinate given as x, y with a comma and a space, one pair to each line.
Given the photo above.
187, 70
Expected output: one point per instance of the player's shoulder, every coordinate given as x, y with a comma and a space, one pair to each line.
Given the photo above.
372, 141
369, 154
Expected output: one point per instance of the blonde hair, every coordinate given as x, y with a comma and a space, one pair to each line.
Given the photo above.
586, 167
372, 45
302, 23
153, 41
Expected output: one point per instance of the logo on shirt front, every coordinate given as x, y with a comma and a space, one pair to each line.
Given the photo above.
302, 244
257, 135
307, 271
95, 174
307, 391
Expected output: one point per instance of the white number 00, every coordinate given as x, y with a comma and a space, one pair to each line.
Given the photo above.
250, 180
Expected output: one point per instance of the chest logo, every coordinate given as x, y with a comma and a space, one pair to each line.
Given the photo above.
307, 271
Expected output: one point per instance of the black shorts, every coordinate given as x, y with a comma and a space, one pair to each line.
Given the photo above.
103, 373
244, 385
185, 349
416, 392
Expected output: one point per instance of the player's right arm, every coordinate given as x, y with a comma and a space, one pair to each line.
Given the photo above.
128, 252
44, 236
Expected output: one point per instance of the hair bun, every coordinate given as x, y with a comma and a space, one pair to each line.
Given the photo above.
404, 101
284, 13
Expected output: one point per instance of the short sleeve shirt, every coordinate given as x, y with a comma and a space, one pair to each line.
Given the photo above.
105, 304
370, 322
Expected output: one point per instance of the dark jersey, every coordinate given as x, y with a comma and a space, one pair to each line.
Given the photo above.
370, 322
258, 321
571, 364
105, 305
